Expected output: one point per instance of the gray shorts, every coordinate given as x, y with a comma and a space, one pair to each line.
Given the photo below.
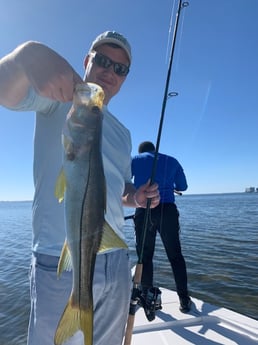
111, 293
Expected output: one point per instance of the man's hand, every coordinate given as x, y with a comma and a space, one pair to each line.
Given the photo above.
48, 72
146, 192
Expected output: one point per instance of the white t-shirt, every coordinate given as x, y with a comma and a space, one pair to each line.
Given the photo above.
48, 213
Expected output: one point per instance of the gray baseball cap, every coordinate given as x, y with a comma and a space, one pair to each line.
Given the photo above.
113, 37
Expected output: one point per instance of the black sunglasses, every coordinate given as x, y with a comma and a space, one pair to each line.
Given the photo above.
105, 62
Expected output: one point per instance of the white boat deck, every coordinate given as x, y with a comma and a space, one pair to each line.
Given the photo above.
205, 324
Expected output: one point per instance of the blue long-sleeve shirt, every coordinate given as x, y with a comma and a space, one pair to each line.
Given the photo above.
169, 174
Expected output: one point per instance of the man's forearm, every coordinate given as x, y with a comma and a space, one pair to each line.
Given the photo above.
129, 195
14, 83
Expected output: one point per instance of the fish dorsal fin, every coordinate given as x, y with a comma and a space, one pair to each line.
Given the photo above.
110, 239
60, 186
65, 261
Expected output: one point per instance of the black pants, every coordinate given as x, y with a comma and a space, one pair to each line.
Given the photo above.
164, 219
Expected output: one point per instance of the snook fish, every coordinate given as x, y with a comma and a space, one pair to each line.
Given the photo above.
82, 185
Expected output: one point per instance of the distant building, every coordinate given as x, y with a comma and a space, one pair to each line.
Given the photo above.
251, 189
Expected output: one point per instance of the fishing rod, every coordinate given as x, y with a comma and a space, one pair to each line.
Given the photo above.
139, 266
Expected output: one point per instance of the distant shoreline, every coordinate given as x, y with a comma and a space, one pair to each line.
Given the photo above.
177, 196
28, 201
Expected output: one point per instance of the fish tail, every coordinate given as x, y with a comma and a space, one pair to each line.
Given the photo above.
72, 320
87, 326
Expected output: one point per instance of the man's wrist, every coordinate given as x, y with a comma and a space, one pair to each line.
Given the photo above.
135, 201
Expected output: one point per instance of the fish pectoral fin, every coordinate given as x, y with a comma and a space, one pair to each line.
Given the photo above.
72, 320
110, 239
65, 261
60, 186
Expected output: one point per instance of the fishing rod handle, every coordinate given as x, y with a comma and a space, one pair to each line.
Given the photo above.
138, 274
130, 320
129, 330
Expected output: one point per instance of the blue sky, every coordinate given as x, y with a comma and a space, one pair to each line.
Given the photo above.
210, 127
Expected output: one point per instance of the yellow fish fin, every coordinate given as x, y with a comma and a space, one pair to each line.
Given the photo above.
60, 186
65, 261
110, 239
71, 321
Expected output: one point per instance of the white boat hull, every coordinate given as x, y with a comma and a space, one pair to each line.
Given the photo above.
205, 324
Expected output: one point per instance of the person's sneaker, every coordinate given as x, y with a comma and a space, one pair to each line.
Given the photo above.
158, 305
185, 304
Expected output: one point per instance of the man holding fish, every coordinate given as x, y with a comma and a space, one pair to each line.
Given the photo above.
35, 78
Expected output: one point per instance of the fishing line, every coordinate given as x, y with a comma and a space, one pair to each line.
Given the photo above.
182, 19
201, 113
138, 270
170, 29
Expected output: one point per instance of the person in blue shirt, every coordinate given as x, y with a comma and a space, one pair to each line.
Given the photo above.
164, 218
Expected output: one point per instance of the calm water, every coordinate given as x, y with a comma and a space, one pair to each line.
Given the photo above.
219, 235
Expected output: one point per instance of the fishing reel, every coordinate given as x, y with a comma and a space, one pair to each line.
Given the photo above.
150, 300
